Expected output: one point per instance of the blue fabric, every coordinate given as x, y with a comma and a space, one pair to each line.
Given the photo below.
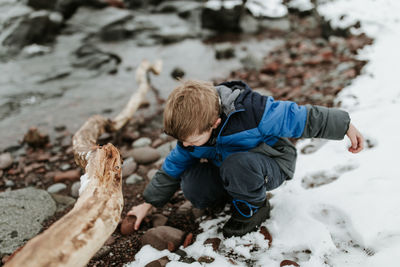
243, 129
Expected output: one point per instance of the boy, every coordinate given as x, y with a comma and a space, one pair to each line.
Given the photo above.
243, 137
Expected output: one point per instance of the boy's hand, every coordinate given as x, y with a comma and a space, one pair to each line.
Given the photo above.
140, 212
356, 138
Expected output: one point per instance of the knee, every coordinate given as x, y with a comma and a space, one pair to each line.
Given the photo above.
235, 164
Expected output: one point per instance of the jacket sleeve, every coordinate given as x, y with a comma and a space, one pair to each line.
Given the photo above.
328, 123
160, 189
282, 118
177, 161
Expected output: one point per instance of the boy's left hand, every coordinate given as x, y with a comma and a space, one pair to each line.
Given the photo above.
356, 138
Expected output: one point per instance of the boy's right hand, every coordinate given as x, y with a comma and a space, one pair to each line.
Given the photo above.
140, 211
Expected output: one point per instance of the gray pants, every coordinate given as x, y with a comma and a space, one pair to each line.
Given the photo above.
244, 175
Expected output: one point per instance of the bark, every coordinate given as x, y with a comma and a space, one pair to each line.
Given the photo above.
77, 236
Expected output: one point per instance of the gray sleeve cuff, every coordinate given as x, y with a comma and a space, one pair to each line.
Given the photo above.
328, 123
160, 189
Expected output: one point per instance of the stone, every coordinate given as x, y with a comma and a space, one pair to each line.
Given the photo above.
267, 236
252, 62
133, 179
62, 201
214, 242
6, 160
249, 24
188, 240
145, 155
141, 142
158, 142
9, 183
65, 166
36, 138
159, 220
160, 236
205, 259
185, 208
177, 73
55, 188
151, 173
161, 262
288, 263
128, 167
127, 225
75, 189
197, 213
22, 212
71, 175
166, 148
224, 51
222, 20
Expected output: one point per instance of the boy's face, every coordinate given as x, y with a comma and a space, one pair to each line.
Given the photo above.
201, 139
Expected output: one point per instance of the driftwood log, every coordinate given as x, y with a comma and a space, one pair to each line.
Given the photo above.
77, 236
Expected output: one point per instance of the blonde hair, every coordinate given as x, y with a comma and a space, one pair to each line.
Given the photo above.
192, 108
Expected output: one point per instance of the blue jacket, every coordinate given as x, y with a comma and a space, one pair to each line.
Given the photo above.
250, 122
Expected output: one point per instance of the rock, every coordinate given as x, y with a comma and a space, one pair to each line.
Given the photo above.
65, 166
90, 57
222, 20
160, 236
62, 201
35, 138
197, 213
128, 167
9, 183
75, 189
185, 208
142, 142
71, 175
166, 148
224, 51
145, 155
177, 73
188, 240
288, 263
214, 242
22, 212
55, 188
127, 225
133, 179
38, 27
159, 220
151, 173
6, 160
181, 253
267, 236
205, 259
252, 62
249, 24
158, 142
130, 136
162, 262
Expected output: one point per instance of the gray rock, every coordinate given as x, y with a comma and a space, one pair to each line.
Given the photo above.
6, 160
21, 213
145, 155
75, 189
141, 142
9, 183
55, 188
128, 167
166, 148
160, 236
62, 201
133, 179
159, 220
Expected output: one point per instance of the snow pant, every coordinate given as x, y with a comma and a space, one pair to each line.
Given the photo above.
243, 175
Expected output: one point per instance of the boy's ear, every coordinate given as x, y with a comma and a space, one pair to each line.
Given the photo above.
216, 123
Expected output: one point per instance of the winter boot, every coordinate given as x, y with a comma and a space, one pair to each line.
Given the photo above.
246, 217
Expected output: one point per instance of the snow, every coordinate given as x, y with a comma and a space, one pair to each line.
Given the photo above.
353, 218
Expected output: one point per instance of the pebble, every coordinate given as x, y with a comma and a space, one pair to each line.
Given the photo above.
133, 179
159, 220
205, 259
188, 240
127, 225
161, 262
185, 208
267, 236
128, 167
71, 175
145, 155
65, 166
160, 236
9, 183
75, 189
151, 173
214, 242
166, 148
6, 160
289, 263
141, 142
158, 142
55, 188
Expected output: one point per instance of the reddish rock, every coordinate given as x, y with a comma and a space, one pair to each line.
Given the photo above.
188, 240
71, 175
159, 220
158, 142
171, 247
127, 225
289, 263
215, 242
267, 236
161, 262
35, 138
32, 167
43, 157
160, 236
232, 262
